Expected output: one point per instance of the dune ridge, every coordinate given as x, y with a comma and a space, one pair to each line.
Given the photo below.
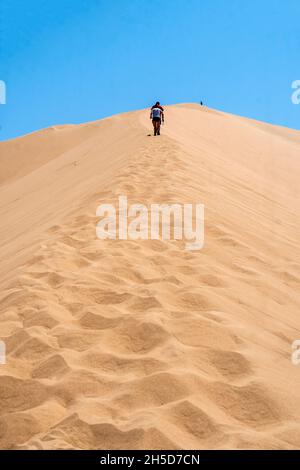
140, 344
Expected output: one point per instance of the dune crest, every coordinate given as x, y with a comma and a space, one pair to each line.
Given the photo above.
142, 344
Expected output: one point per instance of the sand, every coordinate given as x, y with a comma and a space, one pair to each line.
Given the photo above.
141, 344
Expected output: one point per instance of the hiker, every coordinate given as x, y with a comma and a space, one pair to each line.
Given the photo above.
157, 116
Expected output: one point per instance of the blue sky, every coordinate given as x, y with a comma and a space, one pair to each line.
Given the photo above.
71, 61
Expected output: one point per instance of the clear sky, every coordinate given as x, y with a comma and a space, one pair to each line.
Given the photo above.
71, 61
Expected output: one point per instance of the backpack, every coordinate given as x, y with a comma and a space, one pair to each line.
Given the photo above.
156, 112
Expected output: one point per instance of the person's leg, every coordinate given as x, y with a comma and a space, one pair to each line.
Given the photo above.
155, 126
158, 127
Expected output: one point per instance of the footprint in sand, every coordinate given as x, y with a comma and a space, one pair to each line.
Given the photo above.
138, 337
19, 395
230, 364
52, 368
194, 421
250, 404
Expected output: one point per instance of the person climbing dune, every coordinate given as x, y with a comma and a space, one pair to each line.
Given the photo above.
157, 116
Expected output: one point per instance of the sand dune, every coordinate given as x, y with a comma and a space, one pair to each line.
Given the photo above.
141, 344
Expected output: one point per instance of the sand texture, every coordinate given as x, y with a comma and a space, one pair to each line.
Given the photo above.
141, 344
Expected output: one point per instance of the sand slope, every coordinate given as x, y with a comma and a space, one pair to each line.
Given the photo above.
141, 344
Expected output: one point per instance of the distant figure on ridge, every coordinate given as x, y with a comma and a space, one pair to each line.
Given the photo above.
157, 116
